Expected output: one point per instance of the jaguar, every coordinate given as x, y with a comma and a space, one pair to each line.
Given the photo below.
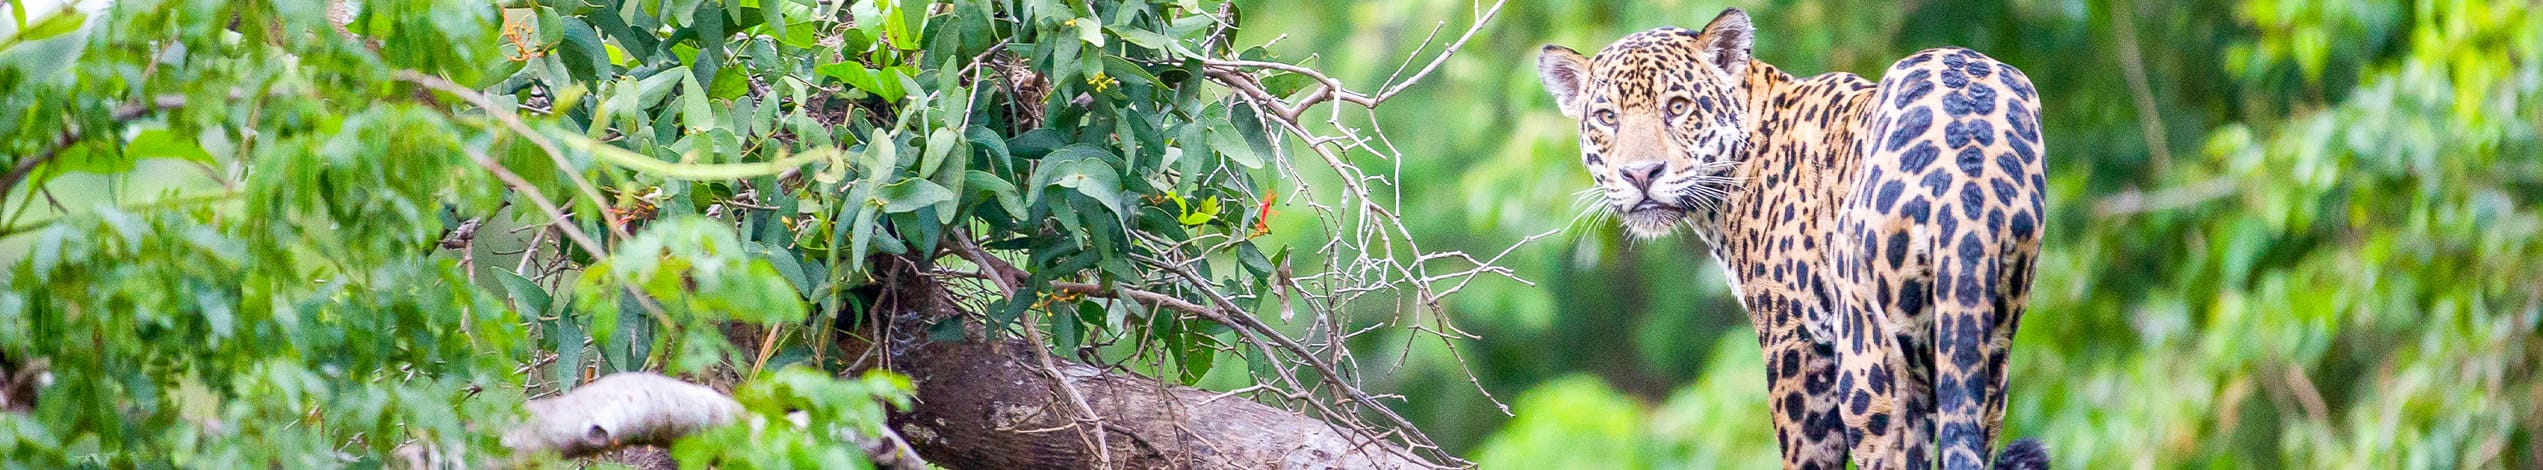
1880, 235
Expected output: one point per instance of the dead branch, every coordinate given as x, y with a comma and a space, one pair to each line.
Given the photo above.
1234, 317
1328, 88
2135, 201
2132, 65
628, 408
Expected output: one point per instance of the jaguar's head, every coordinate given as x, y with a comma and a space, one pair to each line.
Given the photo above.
1661, 120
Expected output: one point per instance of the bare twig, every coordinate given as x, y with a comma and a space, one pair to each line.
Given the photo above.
1373, 250
2136, 201
1328, 88
1233, 316
2132, 65
1089, 422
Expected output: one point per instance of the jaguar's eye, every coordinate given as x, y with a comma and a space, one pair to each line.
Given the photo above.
1679, 107
1605, 117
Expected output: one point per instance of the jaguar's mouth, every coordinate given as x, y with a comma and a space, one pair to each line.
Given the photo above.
1651, 218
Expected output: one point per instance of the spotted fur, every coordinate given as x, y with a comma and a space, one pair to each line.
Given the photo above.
1880, 235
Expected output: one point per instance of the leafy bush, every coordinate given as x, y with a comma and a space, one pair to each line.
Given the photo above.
361, 217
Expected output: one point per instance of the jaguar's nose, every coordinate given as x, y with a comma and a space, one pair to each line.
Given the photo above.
1641, 174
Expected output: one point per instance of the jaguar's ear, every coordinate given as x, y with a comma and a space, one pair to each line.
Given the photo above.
1565, 73
1726, 43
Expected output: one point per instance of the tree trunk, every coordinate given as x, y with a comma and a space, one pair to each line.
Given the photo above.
990, 405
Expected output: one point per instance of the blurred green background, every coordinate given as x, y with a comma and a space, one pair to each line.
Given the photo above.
2287, 233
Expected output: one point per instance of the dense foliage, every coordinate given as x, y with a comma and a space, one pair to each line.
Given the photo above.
2289, 233
307, 233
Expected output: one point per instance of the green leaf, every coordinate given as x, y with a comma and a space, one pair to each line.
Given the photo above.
908, 20
1207, 211
1153, 40
532, 299
764, 118
1248, 123
63, 21
868, 17
786, 266
940, 143
801, 35
1252, 258
1090, 30
861, 228
909, 194
565, 337
882, 83
87, 157
162, 143
998, 189
1064, 67
882, 155
653, 88
551, 28
581, 50
773, 14
1129, 73
694, 108
1287, 83
1198, 356
1224, 138
1066, 332
1093, 178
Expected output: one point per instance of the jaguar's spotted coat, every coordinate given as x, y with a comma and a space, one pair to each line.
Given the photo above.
1881, 236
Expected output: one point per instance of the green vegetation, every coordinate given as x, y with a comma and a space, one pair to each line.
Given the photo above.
311, 233
2287, 233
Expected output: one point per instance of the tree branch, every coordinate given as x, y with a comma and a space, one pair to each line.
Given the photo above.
2132, 66
26, 166
1328, 88
2135, 201
1233, 316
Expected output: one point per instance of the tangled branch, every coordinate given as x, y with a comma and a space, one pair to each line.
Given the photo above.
1379, 253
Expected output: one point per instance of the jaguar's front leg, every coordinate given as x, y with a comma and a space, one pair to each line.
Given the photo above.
1802, 384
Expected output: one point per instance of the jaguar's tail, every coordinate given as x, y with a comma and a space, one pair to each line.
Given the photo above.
2024, 454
